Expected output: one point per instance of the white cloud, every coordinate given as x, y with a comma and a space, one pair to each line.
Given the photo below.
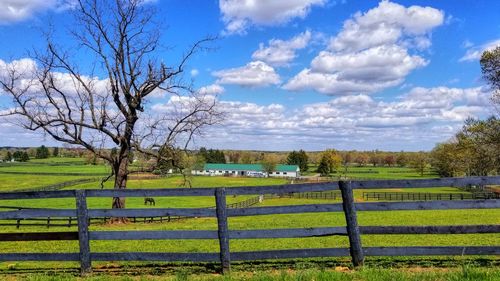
238, 15
253, 74
280, 52
474, 53
386, 24
416, 120
333, 84
213, 89
194, 72
17, 10
371, 52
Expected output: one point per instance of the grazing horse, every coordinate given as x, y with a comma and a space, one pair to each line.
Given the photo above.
149, 200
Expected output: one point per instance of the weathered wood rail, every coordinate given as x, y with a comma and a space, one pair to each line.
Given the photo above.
224, 234
421, 196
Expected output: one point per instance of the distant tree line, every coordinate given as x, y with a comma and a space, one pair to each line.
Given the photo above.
18, 156
473, 151
212, 155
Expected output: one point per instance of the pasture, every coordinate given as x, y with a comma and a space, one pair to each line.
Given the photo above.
375, 172
374, 218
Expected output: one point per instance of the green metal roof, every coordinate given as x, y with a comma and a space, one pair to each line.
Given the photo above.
248, 167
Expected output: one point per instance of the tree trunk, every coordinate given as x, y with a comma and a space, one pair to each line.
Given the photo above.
121, 174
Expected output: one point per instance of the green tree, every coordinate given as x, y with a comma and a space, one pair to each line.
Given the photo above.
402, 159
246, 158
8, 157
479, 141
169, 160
17, 155
25, 157
55, 152
419, 162
447, 160
269, 163
330, 161
42, 152
298, 158
490, 68
323, 167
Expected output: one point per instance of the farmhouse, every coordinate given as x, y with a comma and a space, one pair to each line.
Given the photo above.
248, 170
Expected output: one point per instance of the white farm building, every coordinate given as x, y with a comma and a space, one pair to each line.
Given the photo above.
247, 170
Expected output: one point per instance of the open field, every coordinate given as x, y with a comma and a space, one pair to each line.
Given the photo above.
436, 217
12, 182
378, 172
56, 169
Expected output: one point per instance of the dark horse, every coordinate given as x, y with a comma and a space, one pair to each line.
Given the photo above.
149, 200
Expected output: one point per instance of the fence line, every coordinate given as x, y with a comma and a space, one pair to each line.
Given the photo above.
224, 234
331, 195
72, 221
412, 196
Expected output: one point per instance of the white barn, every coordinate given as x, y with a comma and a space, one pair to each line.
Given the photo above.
247, 170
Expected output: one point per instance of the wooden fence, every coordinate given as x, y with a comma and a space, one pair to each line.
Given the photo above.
72, 221
329, 195
224, 234
425, 196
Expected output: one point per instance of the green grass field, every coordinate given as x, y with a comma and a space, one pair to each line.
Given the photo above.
10, 182
370, 172
465, 273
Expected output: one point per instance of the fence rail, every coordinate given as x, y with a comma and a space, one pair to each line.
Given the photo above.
330, 195
412, 196
72, 221
223, 233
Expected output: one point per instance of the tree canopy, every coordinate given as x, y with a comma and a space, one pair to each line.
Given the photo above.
490, 68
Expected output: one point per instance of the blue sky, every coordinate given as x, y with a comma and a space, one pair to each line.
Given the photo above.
306, 74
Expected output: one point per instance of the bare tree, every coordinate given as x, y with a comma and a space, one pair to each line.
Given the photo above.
53, 96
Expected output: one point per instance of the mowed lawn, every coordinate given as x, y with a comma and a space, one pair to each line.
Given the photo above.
441, 217
12, 182
56, 169
437, 217
378, 172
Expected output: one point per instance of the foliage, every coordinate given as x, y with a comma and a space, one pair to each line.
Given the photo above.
20, 156
212, 155
362, 159
7, 157
402, 159
475, 150
55, 152
42, 152
330, 162
390, 160
490, 67
298, 158
419, 162
269, 163
446, 161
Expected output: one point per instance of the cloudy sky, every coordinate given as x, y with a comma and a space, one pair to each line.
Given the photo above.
306, 74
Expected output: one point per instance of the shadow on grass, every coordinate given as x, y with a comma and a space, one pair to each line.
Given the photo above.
143, 268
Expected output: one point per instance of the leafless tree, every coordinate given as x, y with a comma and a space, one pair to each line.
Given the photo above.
53, 96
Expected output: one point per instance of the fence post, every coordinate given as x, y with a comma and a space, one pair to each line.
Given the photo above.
83, 231
353, 232
220, 208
